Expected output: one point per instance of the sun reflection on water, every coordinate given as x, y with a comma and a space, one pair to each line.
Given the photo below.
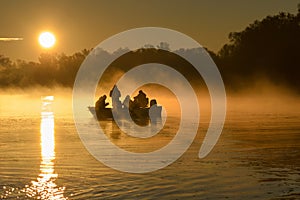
45, 187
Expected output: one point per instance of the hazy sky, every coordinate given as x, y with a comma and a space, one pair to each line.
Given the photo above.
83, 24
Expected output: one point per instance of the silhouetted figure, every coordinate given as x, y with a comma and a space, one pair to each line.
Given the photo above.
100, 104
141, 101
126, 102
115, 95
153, 102
154, 111
138, 108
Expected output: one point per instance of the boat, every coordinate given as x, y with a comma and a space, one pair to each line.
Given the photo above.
138, 108
105, 113
148, 113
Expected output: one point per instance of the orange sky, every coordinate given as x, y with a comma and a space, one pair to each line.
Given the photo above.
83, 24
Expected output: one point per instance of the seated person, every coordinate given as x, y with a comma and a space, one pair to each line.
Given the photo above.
153, 102
100, 104
141, 101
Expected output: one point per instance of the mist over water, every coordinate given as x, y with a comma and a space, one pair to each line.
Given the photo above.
255, 157
263, 97
27, 102
44, 156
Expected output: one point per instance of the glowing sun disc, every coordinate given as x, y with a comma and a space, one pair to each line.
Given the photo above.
47, 39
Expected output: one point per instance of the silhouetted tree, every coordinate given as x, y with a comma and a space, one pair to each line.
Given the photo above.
5, 61
50, 70
268, 48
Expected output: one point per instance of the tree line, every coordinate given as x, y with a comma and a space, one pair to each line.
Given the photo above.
269, 48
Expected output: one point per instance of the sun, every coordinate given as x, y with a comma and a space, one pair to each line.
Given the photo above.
47, 39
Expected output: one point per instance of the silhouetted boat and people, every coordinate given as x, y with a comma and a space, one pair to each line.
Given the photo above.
137, 108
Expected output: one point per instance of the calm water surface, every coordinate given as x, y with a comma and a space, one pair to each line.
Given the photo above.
42, 157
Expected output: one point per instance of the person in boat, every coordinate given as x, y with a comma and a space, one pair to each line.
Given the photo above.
140, 101
115, 95
127, 101
153, 102
101, 104
155, 111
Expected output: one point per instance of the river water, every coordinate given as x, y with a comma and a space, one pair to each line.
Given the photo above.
42, 157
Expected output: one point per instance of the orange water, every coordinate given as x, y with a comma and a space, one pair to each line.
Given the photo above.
257, 157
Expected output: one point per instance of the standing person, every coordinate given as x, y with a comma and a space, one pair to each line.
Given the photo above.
126, 102
115, 95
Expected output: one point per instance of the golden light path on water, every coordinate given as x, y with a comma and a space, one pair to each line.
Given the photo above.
45, 187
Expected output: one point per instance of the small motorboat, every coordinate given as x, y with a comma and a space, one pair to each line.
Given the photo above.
137, 108
153, 112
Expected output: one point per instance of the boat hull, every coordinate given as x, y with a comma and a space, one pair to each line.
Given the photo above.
152, 113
